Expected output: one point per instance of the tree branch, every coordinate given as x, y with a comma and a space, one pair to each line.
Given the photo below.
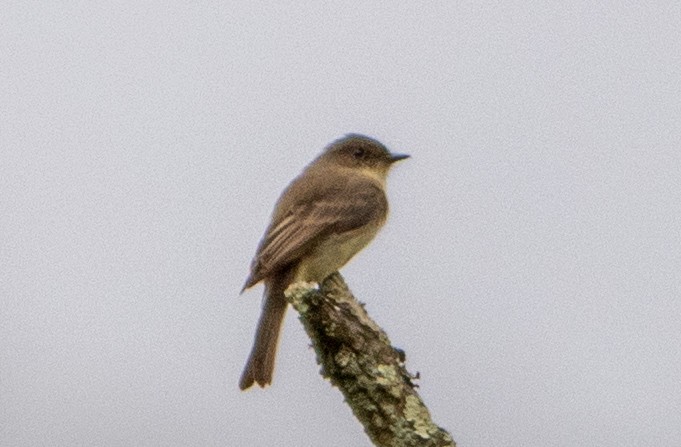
357, 357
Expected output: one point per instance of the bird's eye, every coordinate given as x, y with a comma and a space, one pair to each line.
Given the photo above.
359, 153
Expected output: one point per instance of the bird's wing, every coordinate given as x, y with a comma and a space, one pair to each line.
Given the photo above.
305, 222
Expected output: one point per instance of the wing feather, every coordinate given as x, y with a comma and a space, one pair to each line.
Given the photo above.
331, 210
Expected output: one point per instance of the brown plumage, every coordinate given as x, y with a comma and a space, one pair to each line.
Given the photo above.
323, 218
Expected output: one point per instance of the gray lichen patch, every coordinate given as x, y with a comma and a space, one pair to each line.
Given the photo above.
297, 294
418, 415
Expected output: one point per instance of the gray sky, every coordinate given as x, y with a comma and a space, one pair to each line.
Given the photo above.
530, 267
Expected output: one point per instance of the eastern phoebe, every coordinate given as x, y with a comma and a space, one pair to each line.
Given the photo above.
332, 210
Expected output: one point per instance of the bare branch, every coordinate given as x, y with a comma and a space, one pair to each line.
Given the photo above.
356, 355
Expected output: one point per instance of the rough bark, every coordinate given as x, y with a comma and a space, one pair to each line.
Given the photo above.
357, 357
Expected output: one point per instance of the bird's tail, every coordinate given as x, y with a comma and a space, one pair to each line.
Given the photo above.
260, 364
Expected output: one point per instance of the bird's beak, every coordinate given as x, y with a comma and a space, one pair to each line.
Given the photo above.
398, 157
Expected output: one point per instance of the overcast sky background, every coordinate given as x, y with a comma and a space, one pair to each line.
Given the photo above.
530, 267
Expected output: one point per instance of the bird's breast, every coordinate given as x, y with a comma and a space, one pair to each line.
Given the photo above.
334, 251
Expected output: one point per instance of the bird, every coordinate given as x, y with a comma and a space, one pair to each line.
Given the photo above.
327, 214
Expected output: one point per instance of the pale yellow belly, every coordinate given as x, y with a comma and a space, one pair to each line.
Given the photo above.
334, 252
